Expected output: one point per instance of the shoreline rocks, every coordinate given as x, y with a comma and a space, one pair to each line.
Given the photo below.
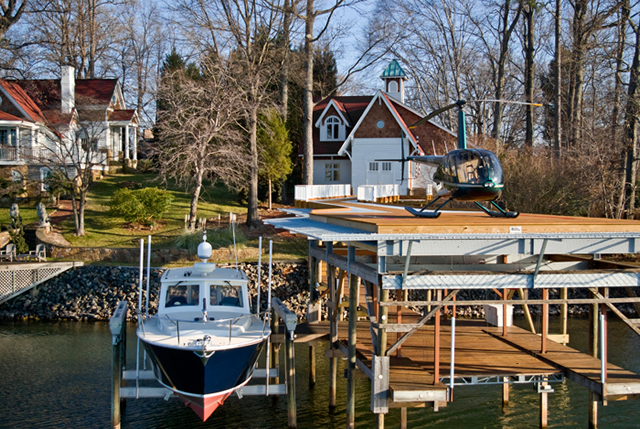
91, 293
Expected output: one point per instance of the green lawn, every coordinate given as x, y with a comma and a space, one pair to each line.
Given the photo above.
104, 230
28, 214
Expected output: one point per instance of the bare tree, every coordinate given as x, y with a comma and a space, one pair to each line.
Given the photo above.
144, 45
197, 134
12, 10
309, 17
72, 151
79, 33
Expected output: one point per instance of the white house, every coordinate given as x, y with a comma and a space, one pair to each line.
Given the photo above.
37, 116
356, 138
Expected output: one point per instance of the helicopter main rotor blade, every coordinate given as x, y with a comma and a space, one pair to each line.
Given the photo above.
506, 101
434, 113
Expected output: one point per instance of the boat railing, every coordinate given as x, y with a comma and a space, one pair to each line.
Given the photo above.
221, 323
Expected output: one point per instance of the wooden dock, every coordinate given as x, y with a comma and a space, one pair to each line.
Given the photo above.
360, 253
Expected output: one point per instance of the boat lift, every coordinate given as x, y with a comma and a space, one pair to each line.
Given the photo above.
146, 385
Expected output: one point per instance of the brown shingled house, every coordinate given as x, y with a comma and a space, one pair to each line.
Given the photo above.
37, 116
352, 134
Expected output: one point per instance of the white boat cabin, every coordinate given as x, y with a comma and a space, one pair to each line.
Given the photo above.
189, 293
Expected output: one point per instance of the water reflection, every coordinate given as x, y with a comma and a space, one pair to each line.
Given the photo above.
57, 375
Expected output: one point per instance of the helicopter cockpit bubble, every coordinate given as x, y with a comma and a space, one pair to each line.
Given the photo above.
473, 166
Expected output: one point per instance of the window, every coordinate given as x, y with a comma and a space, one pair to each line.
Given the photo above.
8, 136
386, 166
45, 173
16, 176
373, 166
332, 172
226, 295
393, 86
181, 295
333, 128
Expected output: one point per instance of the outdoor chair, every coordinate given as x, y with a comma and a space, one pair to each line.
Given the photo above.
8, 253
39, 255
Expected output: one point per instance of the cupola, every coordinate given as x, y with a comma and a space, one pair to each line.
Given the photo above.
394, 77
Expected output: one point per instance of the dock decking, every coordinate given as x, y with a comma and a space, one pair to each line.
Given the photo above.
363, 252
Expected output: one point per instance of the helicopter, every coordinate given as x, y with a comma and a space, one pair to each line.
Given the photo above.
463, 174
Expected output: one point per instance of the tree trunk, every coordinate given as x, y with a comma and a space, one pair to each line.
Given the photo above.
529, 74
557, 129
252, 211
507, 30
631, 128
269, 194
195, 195
577, 73
307, 107
83, 204
76, 214
284, 69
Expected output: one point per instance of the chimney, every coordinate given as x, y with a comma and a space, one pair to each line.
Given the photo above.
67, 89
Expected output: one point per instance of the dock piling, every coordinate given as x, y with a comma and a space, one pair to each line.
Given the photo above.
118, 327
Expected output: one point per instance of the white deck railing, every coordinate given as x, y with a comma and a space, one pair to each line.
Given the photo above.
314, 192
376, 192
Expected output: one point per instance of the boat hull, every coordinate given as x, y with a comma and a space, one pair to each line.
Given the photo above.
204, 383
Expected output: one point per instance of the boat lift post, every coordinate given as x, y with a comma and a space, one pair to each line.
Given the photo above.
290, 321
118, 326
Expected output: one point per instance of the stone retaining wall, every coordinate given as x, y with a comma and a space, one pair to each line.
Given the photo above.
129, 254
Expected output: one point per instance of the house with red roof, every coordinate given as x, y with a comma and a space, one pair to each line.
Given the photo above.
356, 138
39, 117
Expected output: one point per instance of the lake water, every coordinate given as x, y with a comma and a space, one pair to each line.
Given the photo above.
57, 375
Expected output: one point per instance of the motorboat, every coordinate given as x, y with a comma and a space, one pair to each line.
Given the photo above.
204, 341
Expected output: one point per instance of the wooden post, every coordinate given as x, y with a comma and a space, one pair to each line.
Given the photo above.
333, 330
436, 344
290, 363
524, 294
403, 418
544, 407
545, 321
118, 327
505, 328
274, 356
593, 351
383, 313
351, 367
564, 311
505, 393
312, 366
593, 410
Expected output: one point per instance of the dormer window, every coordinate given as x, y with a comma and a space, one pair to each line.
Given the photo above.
334, 129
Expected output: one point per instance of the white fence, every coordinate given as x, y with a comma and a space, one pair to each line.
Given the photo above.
18, 278
314, 192
374, 193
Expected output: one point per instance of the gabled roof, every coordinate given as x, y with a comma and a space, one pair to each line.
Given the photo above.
95, 91
354, 109
350, 107
39, 101
340, 108
22, 101
121, 115
399, 112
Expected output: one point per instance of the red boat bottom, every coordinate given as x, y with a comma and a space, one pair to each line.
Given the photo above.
204, 406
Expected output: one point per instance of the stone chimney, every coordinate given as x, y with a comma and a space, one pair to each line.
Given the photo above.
67, 89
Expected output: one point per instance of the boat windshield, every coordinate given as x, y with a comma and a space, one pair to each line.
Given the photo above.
227, 295
182, 294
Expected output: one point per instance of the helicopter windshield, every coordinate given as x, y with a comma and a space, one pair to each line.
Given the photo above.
474, 166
